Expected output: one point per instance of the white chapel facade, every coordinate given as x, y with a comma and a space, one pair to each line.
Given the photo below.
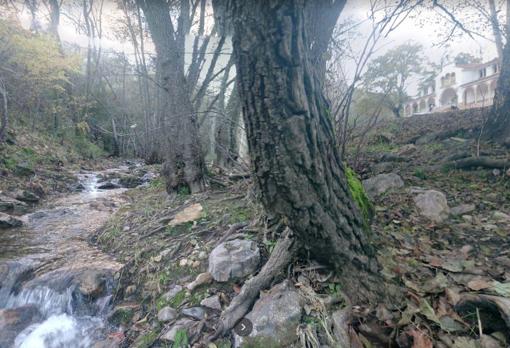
457, 86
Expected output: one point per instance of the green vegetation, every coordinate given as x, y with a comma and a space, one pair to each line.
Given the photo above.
358, 194
181, 339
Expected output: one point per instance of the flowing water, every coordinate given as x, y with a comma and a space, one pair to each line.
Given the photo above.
55, 288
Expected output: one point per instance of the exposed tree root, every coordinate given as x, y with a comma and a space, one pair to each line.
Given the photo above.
474, 162
281, 256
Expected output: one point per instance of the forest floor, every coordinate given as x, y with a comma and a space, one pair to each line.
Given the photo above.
455, 273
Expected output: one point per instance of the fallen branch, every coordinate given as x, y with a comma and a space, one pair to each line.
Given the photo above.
234, 228
475, 162
281, 256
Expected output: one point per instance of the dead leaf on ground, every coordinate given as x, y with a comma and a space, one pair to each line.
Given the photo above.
420, 339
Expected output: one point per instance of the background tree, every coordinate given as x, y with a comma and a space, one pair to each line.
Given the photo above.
390, 74
466, 58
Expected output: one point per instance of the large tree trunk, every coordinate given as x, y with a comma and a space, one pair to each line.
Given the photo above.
291, 142
184, 165
5, 112
498, 125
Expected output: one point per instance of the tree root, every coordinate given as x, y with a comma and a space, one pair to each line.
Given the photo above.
474, 162
281, 256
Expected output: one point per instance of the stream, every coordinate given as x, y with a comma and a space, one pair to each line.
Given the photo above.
56, 288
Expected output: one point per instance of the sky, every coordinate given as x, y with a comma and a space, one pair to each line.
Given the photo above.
420, 28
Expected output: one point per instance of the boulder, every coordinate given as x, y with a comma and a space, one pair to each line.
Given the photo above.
13, 321
197, 313
130, 181
167, 314
234, 260
433, 205
181, 324
381, 183
275, 318
7, 221
107, 185
26, 196
11, 204
212, 302
91, 283
462, 209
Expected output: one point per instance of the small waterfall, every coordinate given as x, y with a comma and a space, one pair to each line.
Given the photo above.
47, 301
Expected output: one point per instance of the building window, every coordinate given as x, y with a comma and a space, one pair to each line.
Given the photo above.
483, 72
495, 67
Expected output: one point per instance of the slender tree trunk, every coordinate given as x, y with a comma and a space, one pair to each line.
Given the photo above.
292, 146
5, 112
496, 29
184, 164
498, 125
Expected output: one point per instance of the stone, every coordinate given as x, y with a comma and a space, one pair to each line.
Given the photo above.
406, 150
7, 221
181, 324
234, 259
433, 205
188, 214
170, 294
391, 157
107, 185
183, 262
499, 216
167, 314
212, 302
508, 172
202, 255
26, 196
130, 181
202, 278
197, 313
467, 218
11, 204
91, 283
462, 209
496, 172
13, 321
275, 317
381, 183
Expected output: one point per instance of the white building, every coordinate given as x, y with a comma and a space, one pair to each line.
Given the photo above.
462, 86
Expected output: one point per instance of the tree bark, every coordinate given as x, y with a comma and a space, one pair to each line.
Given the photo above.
498, 124
496, 31
184, 165
5, 112
291, 142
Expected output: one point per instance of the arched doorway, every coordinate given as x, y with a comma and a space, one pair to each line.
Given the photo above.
449, 97
469, 96
423, 105
482, 93
415, 108
431, 104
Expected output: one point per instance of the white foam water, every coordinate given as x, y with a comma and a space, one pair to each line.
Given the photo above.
59, 331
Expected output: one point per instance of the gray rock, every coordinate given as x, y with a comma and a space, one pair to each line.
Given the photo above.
26, 196
197, 313
11, 204
167, 314
107, 185
433, 205
383, 167
499, 216
13, 321
382, 183
91, 283
181, 324
391, 157
130, 181
462, 209
7, 221
170, 294
406, 150
233, 260
212, 302
275, 317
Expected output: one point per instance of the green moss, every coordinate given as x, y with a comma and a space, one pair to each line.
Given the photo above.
181, 339
359, 195
178, 299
